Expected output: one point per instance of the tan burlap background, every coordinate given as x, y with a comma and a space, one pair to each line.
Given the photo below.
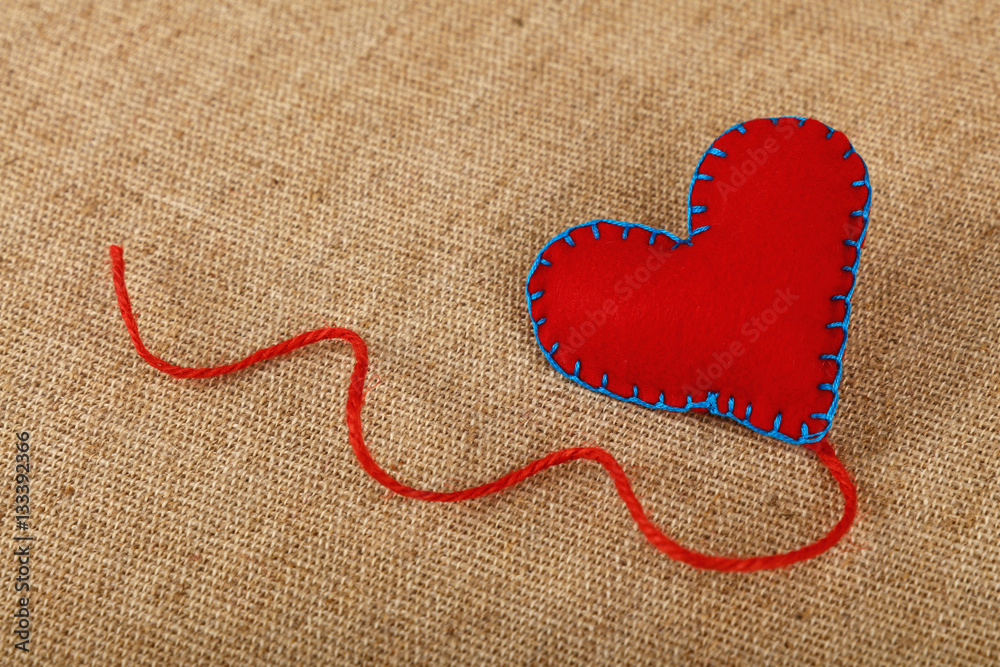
394, 168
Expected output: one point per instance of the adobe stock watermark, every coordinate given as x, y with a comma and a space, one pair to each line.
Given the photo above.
722, 360
740, 171
750, 333
22, 550
755, 158
625, 288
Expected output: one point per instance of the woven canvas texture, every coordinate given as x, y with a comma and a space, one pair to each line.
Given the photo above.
394, 167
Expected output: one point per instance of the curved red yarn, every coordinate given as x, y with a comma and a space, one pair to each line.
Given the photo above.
355, 400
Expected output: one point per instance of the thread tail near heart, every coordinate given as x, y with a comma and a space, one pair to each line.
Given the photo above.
355, 402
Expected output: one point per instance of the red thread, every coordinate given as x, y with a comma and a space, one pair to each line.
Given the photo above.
355, 400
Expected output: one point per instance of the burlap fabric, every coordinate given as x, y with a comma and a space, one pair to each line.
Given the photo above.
394, 168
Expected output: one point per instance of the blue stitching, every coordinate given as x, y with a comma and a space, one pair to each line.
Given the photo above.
710, 404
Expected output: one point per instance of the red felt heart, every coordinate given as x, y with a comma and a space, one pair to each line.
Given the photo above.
746, 318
